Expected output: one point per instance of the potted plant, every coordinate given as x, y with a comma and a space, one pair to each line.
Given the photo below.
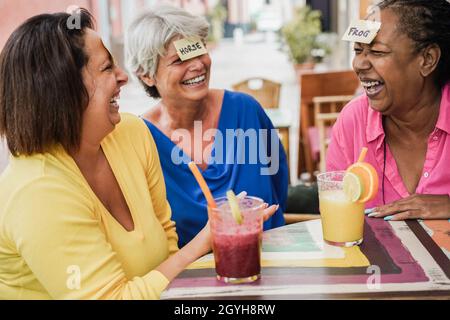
216, 18
301, 36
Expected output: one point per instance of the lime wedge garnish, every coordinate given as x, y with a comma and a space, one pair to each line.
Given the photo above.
353, 188
234, 206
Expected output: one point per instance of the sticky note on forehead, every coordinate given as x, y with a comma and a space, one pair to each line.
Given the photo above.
189, 48
363, 31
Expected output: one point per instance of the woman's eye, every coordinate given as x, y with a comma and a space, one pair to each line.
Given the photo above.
357, 50
178, 61
108, 67
377, 53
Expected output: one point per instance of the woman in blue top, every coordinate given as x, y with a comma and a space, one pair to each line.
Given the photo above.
227, 134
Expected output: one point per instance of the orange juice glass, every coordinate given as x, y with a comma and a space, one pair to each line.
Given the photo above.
342, 219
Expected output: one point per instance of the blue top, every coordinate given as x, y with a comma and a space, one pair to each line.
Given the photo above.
232, 166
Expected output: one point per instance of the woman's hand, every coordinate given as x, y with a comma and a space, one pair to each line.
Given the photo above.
417, 206
203, 240
268, 211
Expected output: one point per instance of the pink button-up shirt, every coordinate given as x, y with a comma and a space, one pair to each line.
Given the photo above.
360, 126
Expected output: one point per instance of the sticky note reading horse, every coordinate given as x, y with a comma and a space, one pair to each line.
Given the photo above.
190, 48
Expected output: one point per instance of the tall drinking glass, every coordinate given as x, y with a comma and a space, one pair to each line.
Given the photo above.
237, 247
342, 219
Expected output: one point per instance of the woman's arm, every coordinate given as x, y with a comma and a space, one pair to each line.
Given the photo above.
157, 188
196, 248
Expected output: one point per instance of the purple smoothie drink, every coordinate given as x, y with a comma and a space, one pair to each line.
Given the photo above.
237, 247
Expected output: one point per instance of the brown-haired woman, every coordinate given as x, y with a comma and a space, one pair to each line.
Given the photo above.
83, 204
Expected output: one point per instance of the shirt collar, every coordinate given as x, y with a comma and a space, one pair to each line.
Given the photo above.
443, 122
375, 129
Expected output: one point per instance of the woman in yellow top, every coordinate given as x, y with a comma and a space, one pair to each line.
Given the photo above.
83, 211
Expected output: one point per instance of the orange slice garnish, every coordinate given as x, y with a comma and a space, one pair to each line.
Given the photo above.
369, 180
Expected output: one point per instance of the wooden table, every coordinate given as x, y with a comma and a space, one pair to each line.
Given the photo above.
412, 266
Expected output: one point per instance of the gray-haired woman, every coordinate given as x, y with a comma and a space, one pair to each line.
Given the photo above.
190, 122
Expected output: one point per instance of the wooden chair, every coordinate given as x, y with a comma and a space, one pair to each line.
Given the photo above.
326, 111
267, 92
338, 83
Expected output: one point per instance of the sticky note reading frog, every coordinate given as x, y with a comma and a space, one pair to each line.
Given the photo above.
363, 31
190, 48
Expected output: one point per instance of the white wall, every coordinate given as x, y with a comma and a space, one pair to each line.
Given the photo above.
4, 156
348, 10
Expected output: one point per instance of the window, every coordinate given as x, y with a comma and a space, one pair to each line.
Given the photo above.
329, 13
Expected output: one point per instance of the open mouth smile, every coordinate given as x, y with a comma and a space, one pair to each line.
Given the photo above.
113, 103
372, 87
195, 81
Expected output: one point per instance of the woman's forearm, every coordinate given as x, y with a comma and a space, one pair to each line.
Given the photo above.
198, 247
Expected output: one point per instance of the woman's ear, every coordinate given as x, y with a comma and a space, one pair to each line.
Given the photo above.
431, 56
150, 81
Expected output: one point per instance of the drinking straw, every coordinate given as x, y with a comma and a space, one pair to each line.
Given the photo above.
363, 154
202, 183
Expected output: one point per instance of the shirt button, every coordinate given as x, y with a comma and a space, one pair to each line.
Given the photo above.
426, 175
435, 138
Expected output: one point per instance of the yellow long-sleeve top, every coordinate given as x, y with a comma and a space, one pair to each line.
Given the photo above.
58, 241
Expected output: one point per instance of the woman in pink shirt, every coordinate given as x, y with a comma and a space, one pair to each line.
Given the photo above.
404, 116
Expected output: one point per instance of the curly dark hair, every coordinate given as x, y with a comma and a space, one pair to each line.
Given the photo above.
42, 94
426, 22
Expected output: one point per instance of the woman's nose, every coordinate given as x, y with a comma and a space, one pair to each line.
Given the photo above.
361, 62
195, 64
122, 77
